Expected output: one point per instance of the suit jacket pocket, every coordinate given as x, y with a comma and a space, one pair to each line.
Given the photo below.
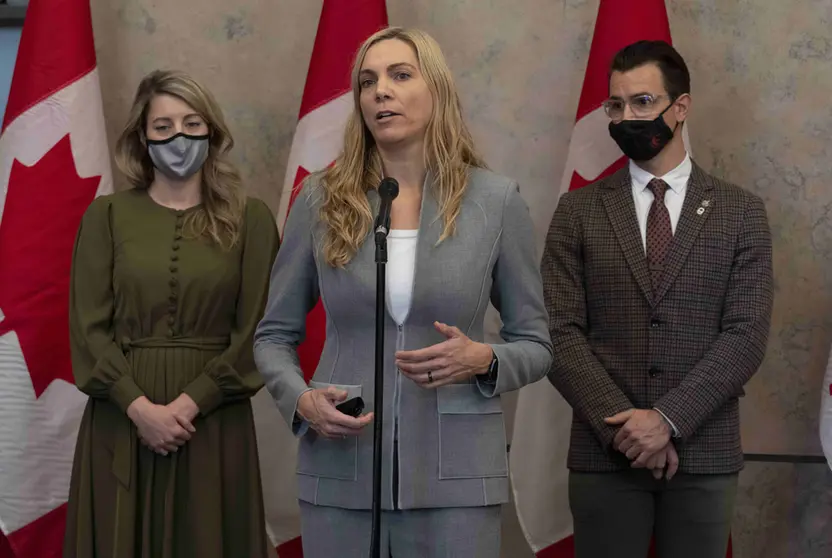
329, 458
472, 437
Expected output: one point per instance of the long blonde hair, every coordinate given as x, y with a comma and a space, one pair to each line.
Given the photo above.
220, 216
449, 154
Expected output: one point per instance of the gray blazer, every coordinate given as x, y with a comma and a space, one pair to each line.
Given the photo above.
451, 440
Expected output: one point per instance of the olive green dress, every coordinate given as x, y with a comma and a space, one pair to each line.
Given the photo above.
156, 314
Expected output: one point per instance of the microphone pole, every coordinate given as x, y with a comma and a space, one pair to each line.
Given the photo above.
387, 190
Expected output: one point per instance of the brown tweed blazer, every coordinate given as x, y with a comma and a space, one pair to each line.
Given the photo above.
689, 348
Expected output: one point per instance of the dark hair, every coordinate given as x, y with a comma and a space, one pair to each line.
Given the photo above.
670, 62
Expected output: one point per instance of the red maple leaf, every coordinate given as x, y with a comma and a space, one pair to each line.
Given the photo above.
44, 206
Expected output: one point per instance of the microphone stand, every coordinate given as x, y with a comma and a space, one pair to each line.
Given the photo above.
381, 268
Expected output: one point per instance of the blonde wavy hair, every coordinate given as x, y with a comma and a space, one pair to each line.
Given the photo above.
449, 154
220, 216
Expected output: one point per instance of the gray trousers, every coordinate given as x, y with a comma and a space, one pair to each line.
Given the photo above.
616, 514
434, 533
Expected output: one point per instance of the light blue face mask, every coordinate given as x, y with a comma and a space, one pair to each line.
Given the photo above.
180, 156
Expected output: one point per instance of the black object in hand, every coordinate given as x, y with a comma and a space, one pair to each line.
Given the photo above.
352, 407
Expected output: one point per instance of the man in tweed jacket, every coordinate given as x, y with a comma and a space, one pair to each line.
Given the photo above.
659, 314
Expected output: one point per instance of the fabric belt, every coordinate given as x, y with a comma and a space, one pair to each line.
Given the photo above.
203, 343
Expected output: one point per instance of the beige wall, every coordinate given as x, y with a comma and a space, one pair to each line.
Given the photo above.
762, 118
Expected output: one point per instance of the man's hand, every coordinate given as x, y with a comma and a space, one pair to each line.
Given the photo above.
644, 433
665, 458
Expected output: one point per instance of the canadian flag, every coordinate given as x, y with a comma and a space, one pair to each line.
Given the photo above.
326, 105
542, 421
53, 162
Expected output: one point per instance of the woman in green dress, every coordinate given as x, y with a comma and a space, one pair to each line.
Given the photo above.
169, 280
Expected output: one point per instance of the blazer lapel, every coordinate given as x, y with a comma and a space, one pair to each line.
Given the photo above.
621, 210
696, 209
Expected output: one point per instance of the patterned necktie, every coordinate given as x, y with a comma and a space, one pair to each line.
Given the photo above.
659, 231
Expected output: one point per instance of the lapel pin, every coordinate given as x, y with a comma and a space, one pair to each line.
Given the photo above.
706, 203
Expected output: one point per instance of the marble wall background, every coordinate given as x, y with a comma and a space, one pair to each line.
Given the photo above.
762, 118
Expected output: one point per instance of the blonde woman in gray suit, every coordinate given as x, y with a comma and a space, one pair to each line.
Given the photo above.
460, 237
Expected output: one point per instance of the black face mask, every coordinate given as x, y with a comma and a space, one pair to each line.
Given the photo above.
641, 140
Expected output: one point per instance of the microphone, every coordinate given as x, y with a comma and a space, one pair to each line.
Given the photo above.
387, 191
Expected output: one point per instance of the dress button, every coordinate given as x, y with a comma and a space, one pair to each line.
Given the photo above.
170, 332
172, 282
177, 236
654, 372
175, 246
172, 309
171, 320
172, 298
173, 268
654, 323
174, 257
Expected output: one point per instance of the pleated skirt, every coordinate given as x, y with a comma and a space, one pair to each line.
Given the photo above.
203, 501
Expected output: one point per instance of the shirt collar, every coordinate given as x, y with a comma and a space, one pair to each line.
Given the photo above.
677, 179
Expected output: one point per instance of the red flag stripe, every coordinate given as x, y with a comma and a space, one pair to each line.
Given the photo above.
56, 51
566, 549
619, 23
42, 68
5, 548
343, 26
43, 538
290, 549
579, 182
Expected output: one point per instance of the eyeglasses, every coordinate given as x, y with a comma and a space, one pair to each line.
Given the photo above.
642, 106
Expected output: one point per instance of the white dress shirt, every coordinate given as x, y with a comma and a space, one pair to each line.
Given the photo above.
674, 198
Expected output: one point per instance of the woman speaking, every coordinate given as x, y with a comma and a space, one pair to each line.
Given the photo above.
460, 237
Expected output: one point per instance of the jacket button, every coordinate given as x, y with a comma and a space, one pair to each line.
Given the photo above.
655, 323
654, 371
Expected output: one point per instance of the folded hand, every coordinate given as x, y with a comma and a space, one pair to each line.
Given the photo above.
157, 426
